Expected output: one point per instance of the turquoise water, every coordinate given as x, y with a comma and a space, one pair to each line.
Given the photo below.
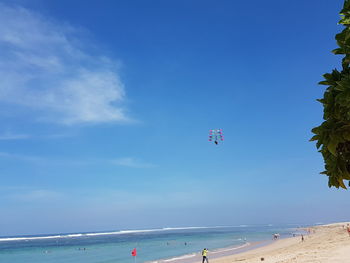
116, 246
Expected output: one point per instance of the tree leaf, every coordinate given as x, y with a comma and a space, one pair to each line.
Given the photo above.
332, 147
341, 183
324, 82
314, 138
333, 135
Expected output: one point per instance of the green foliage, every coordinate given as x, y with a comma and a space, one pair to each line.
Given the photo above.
333, 135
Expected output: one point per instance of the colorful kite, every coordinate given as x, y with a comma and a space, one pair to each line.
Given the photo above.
216, 136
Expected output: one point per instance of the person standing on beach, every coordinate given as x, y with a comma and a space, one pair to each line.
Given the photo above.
204, 254
348, 229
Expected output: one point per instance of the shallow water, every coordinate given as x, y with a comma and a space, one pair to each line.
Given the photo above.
116, 246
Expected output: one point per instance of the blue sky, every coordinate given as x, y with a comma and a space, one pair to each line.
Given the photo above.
105, 109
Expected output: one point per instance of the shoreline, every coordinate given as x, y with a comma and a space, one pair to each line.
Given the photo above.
325, 244
216, 253
318, 246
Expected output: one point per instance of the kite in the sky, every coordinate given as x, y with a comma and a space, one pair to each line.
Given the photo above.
216, 136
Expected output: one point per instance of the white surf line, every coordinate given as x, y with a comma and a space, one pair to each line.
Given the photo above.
178, 258
195, 254
27, 238
119, 232
229, 249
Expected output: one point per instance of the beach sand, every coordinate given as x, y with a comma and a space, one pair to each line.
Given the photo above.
325, 244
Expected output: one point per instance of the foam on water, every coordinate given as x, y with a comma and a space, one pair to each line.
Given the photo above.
120, 232
181, 257
229, 249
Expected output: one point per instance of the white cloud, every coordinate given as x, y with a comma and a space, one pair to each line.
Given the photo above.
36, 195
126, 162
132, 162
26, 158
45, 68
8, 136
11, 136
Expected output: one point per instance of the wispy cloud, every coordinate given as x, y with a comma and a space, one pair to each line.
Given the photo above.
8, 136
126, 162
46, 68
12, 136
36, 195
132, 162
20, 157
47, 161
55, 136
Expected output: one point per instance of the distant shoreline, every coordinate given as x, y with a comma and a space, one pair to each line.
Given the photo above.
325, 243
287, 248
217, 253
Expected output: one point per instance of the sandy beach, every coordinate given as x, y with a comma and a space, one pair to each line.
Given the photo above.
328, 243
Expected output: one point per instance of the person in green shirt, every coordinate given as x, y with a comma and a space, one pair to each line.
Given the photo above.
204, 254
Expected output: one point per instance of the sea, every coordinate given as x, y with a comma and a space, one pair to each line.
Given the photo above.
152, 245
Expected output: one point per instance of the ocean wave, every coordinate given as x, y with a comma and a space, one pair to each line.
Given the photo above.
189, 227
229, 249
174, 258
120, 232
28, 238
195, 254
179, 258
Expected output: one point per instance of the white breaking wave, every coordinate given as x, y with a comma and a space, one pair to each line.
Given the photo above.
189, 227
178, 258
229, 249
195, 254
121, 232
28, 238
